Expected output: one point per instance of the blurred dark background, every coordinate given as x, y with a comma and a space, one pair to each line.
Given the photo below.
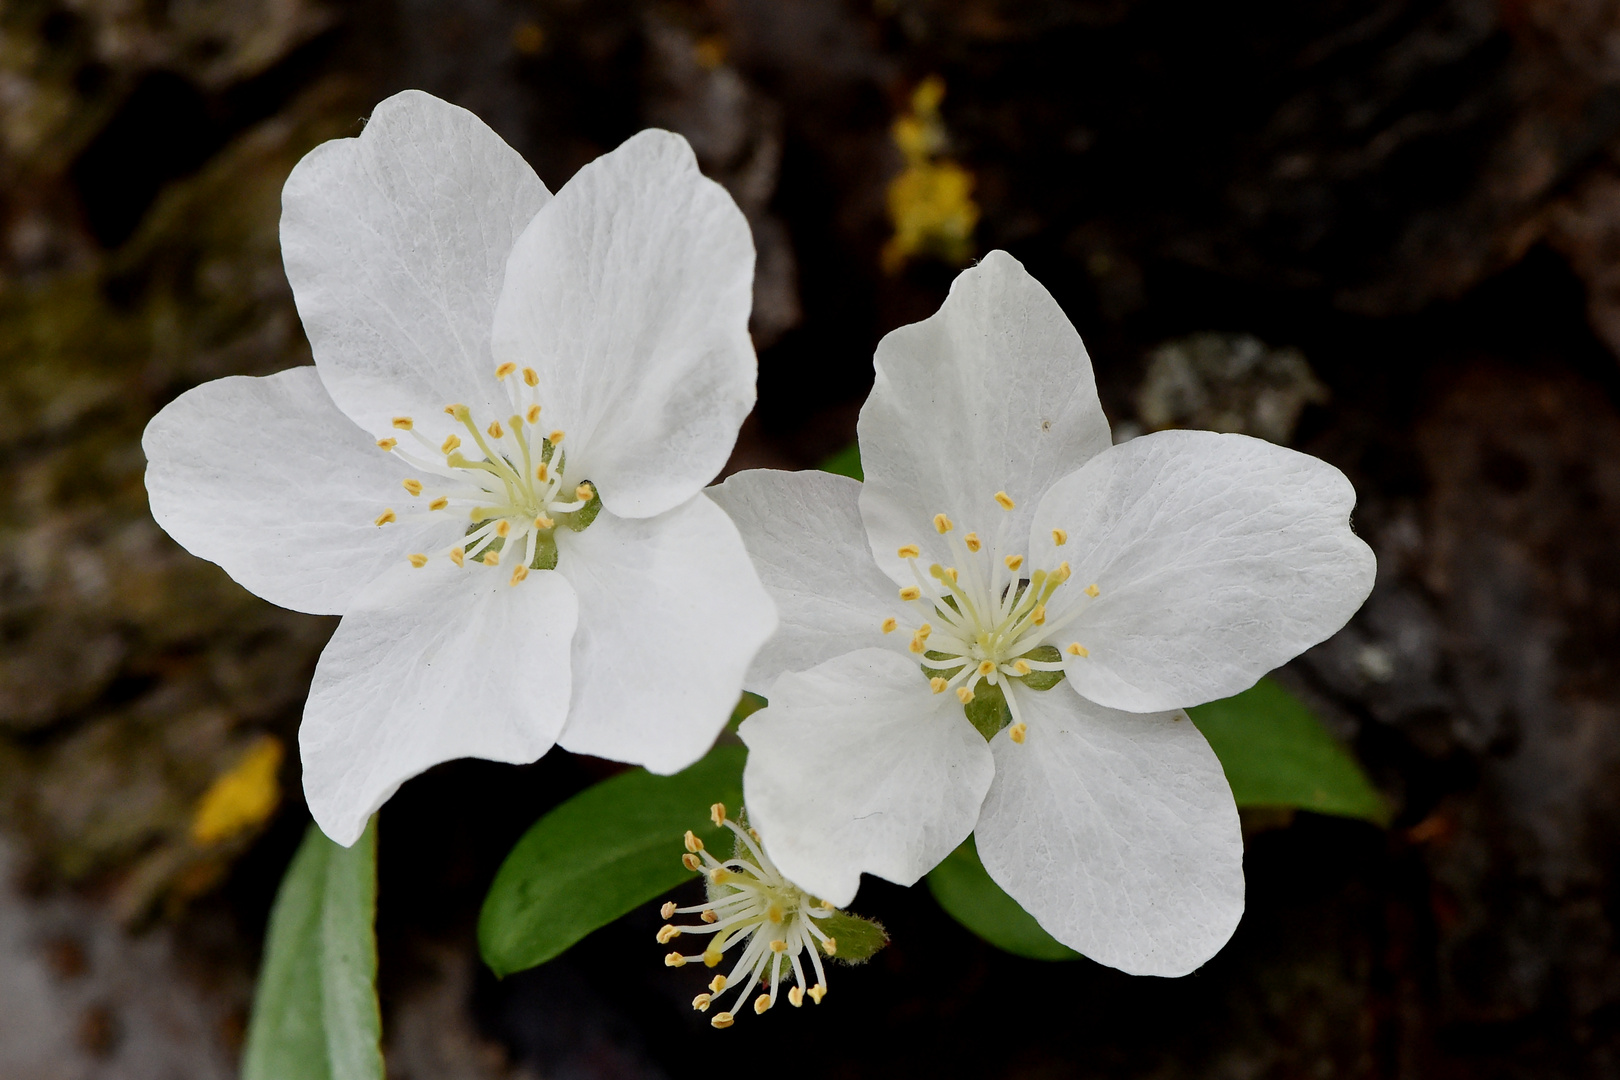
1387, 233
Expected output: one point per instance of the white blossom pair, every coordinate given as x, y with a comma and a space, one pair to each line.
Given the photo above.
494, 470
997, 633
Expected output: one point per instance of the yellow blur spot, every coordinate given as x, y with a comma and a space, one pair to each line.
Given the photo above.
931, 202
528, 38
710, 52
241, 798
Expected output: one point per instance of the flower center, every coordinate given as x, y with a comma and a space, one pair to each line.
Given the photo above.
515, 494
989, 622
752, 904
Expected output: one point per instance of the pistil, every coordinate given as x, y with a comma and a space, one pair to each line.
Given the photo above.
515, 496
975, 625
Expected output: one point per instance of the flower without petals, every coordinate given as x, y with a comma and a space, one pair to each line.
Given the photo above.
998, 632
493, 472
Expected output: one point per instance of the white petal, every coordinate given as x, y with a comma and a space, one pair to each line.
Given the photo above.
857, 766
1117, 831
671, 614
994, 392
431, 665
1217, 557
268, 479
395, 243
630, 294
803, 531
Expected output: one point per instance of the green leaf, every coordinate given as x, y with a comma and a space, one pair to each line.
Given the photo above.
858, 939
747, 705
315, 1012
966, 892
1276, 753
847, 462
602, 853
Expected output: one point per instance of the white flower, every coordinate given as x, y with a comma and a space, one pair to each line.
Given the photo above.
1000, 543
752, 904
504, 382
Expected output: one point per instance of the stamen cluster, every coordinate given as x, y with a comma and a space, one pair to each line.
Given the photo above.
987, 622
750, 902
515, 494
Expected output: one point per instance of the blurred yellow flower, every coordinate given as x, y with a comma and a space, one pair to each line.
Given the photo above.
241, 798
930, 203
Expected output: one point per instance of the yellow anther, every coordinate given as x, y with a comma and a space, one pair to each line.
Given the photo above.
701, 1002
1092, 590
385, 517
964, 694
668, 933
491, 557
950, 572
693, 844
1004, 500
691, 862
555, 437
1038, 616
503, 528
722, 1020
1061, 574
668, 910
709, 916
1059, 537
505, 369
889, 625
387, 444
910, 592
1021, 666
925, 630
458, 556
943, 524
412, 486
516, 421
1017, 732
439, 504
717, 813
817, 992
909, 551
826, 905
919, 644
779, 945
417, 560
830, 947
544, 522
531, 377
712, 956
519, 574
533, 415
403, 423
1014, 561
450, 444
674, 959
542, 472
1077, 649
774, 913
458, 410
986, 667
938, 684
584, 493
720, 875
796, 997
972, 542
762, 1003
717, 984
494, 429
